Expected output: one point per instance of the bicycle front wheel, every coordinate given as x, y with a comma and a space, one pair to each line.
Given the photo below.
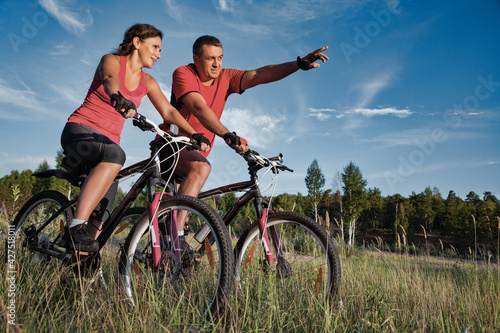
201, 282
309, 266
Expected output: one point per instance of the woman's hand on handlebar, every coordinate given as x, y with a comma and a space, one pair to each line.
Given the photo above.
125, 107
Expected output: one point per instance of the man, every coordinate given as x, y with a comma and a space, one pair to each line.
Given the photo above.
200, 91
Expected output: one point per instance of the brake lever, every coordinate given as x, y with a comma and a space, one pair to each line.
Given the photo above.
142, 125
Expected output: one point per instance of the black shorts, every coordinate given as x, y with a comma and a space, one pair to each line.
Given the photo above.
87, 147
84, 148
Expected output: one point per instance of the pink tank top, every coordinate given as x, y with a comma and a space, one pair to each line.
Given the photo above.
97, 112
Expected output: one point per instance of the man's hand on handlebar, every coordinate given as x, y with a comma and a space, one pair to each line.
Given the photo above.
125, 107
201, 141
236, 142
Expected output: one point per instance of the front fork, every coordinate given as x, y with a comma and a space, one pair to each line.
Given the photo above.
154, 203
263, 214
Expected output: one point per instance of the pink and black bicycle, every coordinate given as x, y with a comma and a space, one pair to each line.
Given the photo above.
189, 273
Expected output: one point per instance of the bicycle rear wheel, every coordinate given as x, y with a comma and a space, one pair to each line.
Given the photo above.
311, 265
35, 236
202, 285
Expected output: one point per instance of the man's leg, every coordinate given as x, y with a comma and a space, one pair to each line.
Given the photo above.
194, 168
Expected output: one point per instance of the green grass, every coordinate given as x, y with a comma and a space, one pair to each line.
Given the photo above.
379, 293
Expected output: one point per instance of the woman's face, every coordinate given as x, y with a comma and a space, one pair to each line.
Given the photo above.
149, 51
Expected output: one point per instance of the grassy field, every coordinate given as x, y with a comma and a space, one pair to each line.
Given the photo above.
380, 292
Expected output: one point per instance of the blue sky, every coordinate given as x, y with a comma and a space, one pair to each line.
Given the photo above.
411, 93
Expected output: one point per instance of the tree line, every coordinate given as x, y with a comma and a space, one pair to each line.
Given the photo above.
347, 209
357, 210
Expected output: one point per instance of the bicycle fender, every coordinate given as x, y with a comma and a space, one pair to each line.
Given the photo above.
58, 173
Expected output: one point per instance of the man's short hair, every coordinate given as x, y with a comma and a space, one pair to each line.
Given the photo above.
205, 40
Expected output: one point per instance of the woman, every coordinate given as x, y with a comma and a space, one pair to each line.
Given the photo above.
92, 133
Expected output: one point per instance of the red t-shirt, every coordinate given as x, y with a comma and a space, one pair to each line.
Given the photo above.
97, 112
186, 80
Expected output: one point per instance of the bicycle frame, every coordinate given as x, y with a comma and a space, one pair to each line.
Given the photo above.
150, 178
261, 206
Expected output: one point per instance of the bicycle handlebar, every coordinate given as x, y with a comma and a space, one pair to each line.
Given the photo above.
148, 125
251, 155
274, 162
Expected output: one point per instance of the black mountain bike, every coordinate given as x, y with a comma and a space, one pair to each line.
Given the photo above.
192, 274
290, 251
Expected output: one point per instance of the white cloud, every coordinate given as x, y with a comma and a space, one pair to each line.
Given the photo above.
370, 89
166, 89
69, 94
71, 20
493, 162
61, 49
225, 5
321, 114
403, 113
257, 129
19, 104
175, 10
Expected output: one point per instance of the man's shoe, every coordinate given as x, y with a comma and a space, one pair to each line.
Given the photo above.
79, 239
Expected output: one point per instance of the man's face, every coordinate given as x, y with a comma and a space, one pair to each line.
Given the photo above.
209, 63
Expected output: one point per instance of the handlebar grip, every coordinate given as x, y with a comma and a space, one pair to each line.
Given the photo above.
142, 125
194, 145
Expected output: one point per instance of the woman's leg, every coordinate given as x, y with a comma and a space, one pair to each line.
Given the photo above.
97, 184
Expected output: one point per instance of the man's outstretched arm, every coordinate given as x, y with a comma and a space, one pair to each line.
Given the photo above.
273, 73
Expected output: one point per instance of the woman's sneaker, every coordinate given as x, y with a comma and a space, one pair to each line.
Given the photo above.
79, 239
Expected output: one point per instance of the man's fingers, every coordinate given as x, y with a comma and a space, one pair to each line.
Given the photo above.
320, 55
324, 48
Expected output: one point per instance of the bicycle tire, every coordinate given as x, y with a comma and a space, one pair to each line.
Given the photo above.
205, 285
31, 217
307, 248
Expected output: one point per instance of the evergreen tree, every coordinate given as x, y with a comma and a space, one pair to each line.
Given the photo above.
371, 217
401, 223
284, 202
422, 213
452, 220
